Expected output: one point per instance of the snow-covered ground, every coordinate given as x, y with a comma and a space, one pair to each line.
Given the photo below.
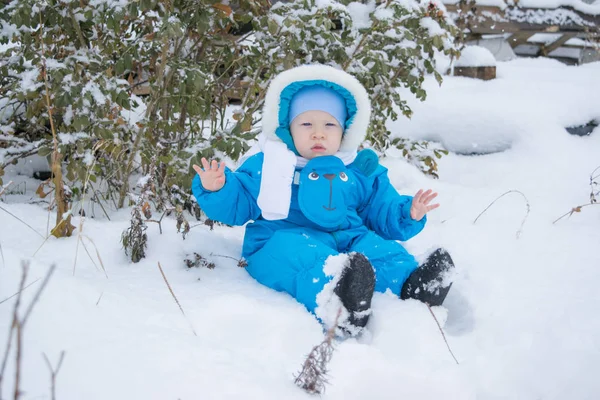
521, 317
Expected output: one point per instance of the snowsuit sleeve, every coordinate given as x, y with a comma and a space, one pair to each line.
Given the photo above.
235, 203
386, 212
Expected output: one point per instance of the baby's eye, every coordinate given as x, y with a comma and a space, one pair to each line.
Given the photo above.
331, 124
313, 176
306, 124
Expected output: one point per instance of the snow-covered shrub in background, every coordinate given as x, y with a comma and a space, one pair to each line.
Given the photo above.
192, 55
387, 45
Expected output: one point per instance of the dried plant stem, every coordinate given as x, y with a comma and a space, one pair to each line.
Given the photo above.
38, 293
219, 255
313, 376
574, 210
54, 372
502, 195
159, 222
175, 297
96, 148
23, 222
593, 200
15, 319
18, 358
2, 254
18, 325
441, 331
99, 298
8, 298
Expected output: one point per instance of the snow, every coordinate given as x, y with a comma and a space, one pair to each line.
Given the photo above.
475, 56
579, 5
432, 26
359, 13
529, 98
520, 317
550, 16
580, 42
328, 303
497, 45
492, 3
566, 52
545, 38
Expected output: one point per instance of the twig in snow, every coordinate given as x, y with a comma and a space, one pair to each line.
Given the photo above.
2, 254
313, 376
441, 331
176, 301
18, 325
574, 210
99, 298
90, 256
8, 298
15, 318
240, 263
24, 223
54, 372
502, 195
593, 200
97, 147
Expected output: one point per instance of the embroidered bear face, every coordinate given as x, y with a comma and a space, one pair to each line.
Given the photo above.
321, 197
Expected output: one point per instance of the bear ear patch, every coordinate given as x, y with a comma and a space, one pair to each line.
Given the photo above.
366, 161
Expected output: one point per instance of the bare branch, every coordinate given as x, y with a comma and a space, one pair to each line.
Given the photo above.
54, 371
38, 293
8, 298
24, 223
441, 331
313, 376
15, 319
574, 210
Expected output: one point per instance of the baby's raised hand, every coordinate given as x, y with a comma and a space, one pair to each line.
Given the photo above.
212, 176
420, 204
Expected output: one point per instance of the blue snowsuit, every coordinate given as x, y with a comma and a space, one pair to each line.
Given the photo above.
334, 209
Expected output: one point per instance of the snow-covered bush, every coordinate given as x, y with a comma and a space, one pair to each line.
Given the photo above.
191, 56
387, 45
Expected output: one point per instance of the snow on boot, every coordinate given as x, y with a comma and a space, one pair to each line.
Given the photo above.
430, 282
355, 289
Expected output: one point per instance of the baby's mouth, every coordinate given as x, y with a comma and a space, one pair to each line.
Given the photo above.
318, 148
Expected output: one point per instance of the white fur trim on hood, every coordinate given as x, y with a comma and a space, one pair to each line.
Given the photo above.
353, 135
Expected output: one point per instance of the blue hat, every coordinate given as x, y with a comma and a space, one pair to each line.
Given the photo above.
319, 98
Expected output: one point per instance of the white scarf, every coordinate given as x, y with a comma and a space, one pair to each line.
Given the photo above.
277, 175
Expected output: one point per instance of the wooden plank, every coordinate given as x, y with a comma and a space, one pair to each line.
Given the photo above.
484, 73
545, 50
519, 38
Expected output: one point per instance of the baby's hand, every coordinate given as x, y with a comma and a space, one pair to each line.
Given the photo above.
420, 204
213, 175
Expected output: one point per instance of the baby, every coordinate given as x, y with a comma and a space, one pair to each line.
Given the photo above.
312, 196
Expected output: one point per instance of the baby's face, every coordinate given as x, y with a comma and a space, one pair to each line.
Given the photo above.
316, 133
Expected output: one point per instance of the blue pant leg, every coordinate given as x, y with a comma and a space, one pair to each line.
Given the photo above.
392, 263
292, 262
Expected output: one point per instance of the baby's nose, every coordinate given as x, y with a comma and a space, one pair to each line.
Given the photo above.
318, 133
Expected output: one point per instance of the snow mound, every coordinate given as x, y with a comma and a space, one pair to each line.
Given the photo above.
476, 56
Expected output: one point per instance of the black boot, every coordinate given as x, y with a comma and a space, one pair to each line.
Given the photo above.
430, 282
355, 289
